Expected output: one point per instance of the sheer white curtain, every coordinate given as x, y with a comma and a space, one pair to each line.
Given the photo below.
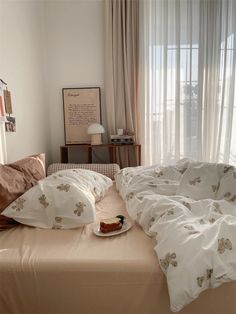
187, 80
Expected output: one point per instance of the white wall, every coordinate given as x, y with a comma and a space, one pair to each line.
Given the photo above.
21, 66
45, 46
75, 55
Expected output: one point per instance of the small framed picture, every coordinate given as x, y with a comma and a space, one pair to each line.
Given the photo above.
81, 107
7, 100
10, 125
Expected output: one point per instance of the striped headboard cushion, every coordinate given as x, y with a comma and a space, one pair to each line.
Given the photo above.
108, 170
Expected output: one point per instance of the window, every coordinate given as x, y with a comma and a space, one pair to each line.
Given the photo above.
189, 80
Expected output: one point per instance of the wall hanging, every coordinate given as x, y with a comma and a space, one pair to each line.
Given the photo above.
6, 108
82, 107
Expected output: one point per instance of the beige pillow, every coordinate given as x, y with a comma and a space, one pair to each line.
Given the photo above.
15, 179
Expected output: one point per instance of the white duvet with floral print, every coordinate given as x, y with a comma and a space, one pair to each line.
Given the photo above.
191, 210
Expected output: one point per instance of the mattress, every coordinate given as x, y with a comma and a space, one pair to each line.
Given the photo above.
74, 271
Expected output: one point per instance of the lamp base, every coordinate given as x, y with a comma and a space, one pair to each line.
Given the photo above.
96, 139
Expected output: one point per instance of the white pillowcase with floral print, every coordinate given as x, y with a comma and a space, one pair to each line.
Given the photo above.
63, 200
88, 180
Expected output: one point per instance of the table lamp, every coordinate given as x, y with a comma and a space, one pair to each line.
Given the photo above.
96, 131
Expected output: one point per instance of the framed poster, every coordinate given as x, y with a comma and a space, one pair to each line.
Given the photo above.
82, 107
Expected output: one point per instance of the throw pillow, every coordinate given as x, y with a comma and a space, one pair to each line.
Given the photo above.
15, 179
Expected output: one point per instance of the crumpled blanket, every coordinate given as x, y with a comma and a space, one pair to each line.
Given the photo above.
190, 208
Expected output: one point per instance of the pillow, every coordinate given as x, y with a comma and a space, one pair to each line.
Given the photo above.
96, 182
61, 201
227, 189
15, 179
200, 181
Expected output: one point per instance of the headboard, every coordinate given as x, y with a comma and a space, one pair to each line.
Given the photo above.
108, 170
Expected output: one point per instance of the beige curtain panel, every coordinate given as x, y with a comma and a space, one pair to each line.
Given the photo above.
121, 58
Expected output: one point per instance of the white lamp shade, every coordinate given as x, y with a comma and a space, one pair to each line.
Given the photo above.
96, 128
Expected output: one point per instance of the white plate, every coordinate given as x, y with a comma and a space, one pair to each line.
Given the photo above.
96, 230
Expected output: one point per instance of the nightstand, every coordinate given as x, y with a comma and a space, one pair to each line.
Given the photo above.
111, 147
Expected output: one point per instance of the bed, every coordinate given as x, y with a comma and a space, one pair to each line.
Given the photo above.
74, 271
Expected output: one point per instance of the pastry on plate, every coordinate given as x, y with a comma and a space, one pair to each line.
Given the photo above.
111, 224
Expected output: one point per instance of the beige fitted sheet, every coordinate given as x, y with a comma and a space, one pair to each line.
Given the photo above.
74, 271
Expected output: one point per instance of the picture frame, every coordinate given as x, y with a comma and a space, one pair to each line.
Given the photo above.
10, 125
81, 107
7, 101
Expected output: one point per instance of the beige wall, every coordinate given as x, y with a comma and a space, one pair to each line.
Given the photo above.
21, 64
75, 58
48, 45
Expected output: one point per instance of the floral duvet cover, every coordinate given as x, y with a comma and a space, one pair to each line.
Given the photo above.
190, 208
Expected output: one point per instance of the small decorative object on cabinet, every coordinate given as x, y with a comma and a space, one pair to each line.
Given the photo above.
122, 139
111, 147
96, 130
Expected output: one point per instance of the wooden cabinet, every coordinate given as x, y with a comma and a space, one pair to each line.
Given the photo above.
112, 148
